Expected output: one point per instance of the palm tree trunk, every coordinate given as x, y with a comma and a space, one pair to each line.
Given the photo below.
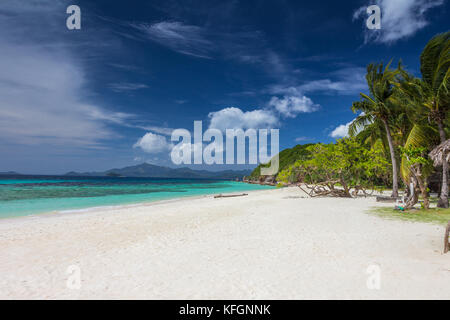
423, 191
443, 199
393, 160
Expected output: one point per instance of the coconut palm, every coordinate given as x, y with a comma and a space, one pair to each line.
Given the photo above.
373, 131
441, 153
378, 107
431, 96
416, 132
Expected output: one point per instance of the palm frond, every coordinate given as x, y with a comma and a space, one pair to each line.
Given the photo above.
420, 136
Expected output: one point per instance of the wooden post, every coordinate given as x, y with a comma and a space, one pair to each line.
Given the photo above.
446, 243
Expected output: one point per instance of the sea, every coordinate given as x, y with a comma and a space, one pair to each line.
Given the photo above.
32, 195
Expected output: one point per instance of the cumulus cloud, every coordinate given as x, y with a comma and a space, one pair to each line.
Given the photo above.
153, 143
399, 19
235, 118
291, 106
341, 131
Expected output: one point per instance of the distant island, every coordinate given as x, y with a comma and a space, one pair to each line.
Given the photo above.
146, 170
9, 173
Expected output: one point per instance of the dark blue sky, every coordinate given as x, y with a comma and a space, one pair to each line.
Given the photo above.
83, 99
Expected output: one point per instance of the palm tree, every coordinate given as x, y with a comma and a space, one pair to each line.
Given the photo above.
430, 94
416, 132
377, 107
372, 133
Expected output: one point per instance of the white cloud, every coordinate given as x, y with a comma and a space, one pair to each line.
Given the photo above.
302, 139
248, 47
341, 87
345, 81
153, 143
235, 118
180, 37
42, 100
127, 86
161, 130
43, 85
291, 106
342, 130
399, 19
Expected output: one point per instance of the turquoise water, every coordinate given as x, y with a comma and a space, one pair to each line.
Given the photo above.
21, 196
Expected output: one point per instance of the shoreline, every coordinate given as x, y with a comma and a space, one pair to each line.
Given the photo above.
125, 204
118, 206
271, 244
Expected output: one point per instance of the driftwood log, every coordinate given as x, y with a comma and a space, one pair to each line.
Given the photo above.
446, 240
230, 195
323, 189
327, 189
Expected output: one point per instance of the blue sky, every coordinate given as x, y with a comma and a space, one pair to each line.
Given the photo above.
109, 95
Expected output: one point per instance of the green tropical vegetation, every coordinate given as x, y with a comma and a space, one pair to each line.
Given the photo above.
437, 216
379, 107
429, 98
346, 164
400, 121
287, 157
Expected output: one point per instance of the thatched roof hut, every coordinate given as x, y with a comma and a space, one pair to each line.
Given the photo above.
440, 153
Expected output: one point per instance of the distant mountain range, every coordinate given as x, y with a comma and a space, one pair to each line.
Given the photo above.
9, 173
146, 170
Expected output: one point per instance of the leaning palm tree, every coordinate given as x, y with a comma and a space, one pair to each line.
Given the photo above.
431, 94
441, 153
441, 157
378, 107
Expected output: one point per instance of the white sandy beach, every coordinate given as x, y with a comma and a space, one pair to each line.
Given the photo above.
268, 245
